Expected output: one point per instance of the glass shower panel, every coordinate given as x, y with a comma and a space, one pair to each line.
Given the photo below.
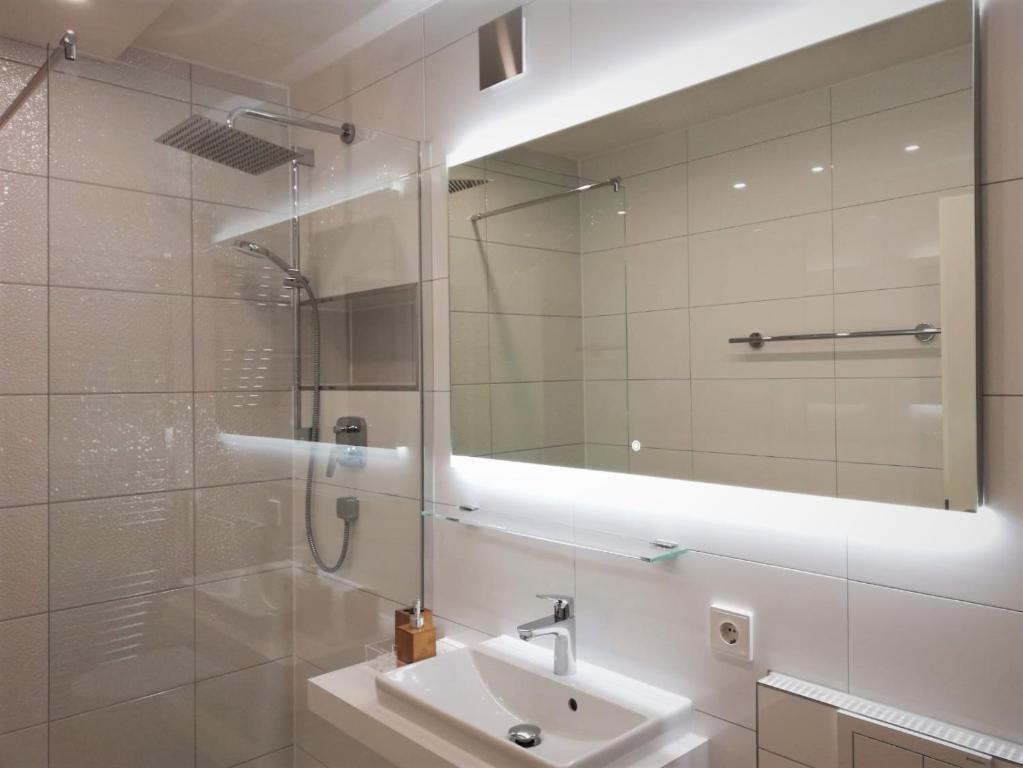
182, 611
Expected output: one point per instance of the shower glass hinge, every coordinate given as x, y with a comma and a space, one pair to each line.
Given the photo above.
306, 156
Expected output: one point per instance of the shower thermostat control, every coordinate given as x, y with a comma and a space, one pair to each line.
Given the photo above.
350, 436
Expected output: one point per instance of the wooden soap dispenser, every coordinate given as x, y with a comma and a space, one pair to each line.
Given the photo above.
416, 640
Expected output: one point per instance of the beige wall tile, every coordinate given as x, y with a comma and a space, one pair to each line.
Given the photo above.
661, 462
114, 238
23, 447
23, 567
1001, 63
778, 176
534, 415
394, 103
601, 219
891, 244
23, 210
155, 731
243, 622
771, 260
787, 418
554, 225
916, 486
154, 652
657, 275
890, 421
770, 472
660, 414
659, 344
528, 281
115, 548
242, 345
23, 658
242, 529
632, 159
916, 80
108, 341
468, 280
228, 428
535, 348
25, 749
23, 351
470, 348
872, 162
607, 458
111, 141
603, 276
1002, 286
607, 412
23, 144
605, 349
470, 420
111, 445
655, 205
774, 120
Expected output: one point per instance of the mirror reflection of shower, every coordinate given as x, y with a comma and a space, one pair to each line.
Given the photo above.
223, 143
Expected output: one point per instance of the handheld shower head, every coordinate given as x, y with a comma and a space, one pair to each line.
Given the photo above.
293, 278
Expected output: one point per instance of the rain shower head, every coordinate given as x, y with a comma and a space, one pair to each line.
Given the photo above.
460, 185
224, 144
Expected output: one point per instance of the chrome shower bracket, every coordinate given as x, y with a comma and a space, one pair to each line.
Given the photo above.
306, 156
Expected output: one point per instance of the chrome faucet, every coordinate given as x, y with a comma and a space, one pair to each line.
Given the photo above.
562, 626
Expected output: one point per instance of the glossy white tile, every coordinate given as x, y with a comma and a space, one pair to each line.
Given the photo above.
1003, 278
23, 145
1000, 24
657, 275
533, 415
776, 474
470, 420
393, 104
23, 700
661, 462
528, 281
603, 278
636, 158
535, 348
915, 486
242, 345
655, 205
469, 266
242, 437
605, 349
607, 412
26, 748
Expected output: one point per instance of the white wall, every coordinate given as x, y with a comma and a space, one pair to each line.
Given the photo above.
919, 608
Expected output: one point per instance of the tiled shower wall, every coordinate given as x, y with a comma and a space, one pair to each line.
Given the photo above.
146, 571
516, 328
797, 248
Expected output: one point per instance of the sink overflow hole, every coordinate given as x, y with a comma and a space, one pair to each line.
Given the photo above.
573, 705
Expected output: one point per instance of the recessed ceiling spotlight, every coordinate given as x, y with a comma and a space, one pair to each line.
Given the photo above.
817, 169
912, 147
739, 185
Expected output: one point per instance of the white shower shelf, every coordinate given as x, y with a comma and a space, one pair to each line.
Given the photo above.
644, 550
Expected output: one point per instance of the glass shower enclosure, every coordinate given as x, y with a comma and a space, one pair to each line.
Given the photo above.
159, 601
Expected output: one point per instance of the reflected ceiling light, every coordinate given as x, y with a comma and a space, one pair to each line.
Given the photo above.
635, 445
818, 169
621, 213
739, 185
912, 147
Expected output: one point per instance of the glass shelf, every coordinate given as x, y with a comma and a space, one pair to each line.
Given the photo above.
653, 551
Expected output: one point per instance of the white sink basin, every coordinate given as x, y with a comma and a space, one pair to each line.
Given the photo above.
485, 690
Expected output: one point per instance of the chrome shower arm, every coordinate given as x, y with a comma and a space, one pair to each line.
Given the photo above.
346, 131
68, 50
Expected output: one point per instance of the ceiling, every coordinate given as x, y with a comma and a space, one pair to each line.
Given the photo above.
280, 41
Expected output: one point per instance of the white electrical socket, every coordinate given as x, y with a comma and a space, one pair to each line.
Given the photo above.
731, 632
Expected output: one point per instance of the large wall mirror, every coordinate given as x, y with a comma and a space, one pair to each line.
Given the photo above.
766, 280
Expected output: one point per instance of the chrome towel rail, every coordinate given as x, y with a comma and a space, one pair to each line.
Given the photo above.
924, 333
